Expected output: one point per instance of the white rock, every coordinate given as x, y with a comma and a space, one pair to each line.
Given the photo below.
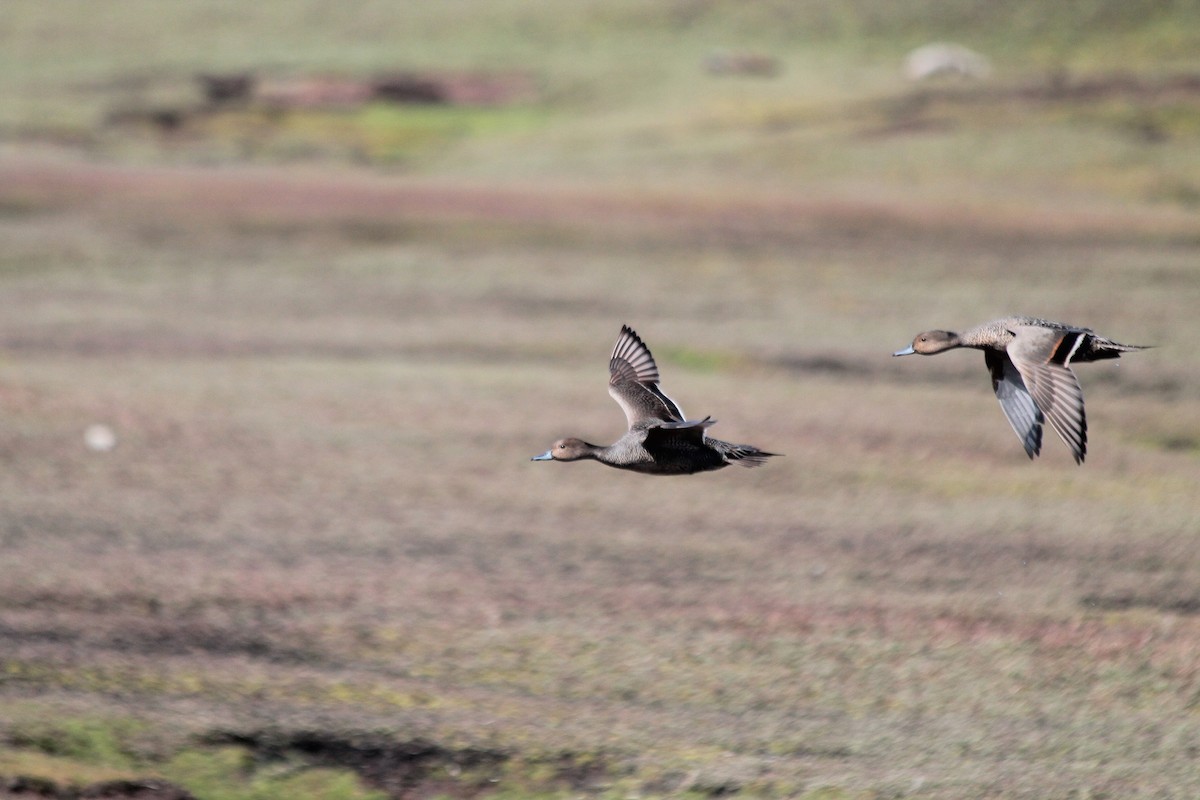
99, 438
945, 58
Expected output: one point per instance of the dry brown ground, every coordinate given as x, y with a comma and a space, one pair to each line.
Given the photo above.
320, 519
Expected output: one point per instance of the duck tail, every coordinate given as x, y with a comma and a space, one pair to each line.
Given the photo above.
1097, 348
747, 455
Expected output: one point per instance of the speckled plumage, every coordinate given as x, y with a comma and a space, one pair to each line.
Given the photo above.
1030, 363
660, 440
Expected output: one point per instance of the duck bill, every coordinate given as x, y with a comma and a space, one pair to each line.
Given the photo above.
908, 351
546, 456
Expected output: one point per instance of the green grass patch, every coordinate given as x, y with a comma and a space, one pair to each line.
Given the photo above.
377, 133
94, 741
58, 770
390, 133
76, 752
230, 773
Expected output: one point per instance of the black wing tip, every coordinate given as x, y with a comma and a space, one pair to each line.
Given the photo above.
629, 333
631, 358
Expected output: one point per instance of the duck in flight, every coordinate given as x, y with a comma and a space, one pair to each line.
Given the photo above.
1030, 363
660, 440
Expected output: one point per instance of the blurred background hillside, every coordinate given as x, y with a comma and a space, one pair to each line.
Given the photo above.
1090, 100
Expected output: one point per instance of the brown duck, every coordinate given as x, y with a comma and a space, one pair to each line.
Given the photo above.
660, 440
1030, 362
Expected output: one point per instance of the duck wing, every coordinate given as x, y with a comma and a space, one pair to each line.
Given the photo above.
691, 430
1023, 414
1043, 357
633, 383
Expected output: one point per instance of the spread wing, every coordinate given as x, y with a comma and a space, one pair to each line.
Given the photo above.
633, 383
1043, 357
1023, 414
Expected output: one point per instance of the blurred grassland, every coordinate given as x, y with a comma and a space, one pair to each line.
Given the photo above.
319, 563
623, 98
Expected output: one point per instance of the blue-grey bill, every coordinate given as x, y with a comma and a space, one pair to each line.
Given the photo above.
908, 351
543, 457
